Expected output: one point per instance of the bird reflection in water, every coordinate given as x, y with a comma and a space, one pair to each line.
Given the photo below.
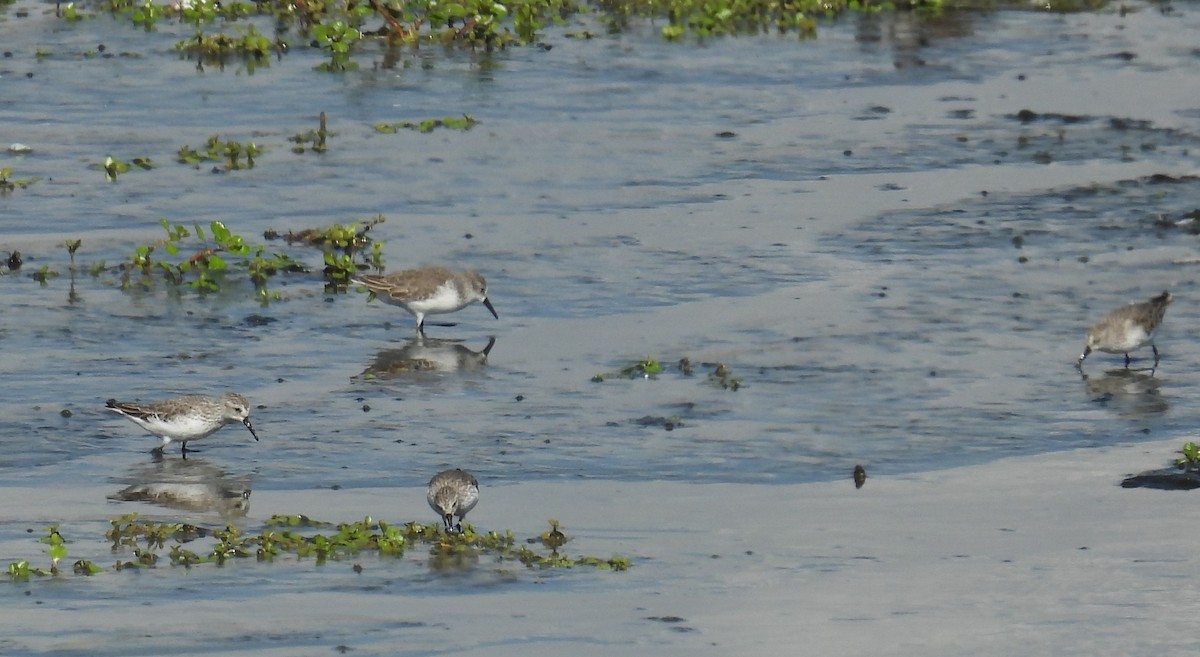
427, 355
188, 485
1131, 393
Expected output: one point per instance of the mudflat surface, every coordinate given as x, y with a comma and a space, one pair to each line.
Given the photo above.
896, 262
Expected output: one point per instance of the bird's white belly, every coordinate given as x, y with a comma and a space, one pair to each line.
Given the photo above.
445, 299
1133, 337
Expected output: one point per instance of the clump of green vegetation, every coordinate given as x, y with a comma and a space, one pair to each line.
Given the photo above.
1190, 459
340, 244
338, 37
341, 28
229, 153
9, 184
721, 378
209, 261
466, 122
69, 13
314, 137
206, 268
304, 538
249, 43
650, 368
112, 167
57, 551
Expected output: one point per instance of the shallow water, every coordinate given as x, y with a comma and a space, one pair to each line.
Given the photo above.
841, 222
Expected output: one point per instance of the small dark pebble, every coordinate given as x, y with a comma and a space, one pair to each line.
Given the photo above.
520, 397
259, 320
860, 476
726, 134
66, 412
366, 408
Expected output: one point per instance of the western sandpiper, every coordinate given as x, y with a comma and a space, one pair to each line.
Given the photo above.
452, 493
184, 419
1128, 328
429, 291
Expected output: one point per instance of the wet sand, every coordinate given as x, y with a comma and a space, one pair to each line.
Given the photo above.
1043, 555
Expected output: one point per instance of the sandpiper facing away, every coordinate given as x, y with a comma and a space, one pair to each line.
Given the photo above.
1128, 328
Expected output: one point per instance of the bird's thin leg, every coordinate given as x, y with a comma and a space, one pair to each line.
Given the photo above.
1155, 354
1126, 361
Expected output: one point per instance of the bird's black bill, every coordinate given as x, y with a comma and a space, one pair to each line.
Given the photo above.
488, 304
247, 423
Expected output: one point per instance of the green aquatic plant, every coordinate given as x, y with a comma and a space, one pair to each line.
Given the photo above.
647, 368
229, 153
313, 140
1190, 459
651, 368
9, 184
72, 246
112, 167
44, 274
249, 44
341, 245
205, 268
69, 12
186, 545
148, 14
337, 37
207, 261
21, 570
465, 122
721, 378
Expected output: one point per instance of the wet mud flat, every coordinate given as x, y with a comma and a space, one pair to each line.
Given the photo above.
896, 251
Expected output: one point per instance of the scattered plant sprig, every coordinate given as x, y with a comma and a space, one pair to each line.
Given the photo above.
465, 122
651, 368
9, 184
1190, 457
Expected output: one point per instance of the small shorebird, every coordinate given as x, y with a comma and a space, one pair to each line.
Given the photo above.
187, 418
429, 291
452, 493
1128, 328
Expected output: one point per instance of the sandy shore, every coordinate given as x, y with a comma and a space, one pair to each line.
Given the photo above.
1037, 555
